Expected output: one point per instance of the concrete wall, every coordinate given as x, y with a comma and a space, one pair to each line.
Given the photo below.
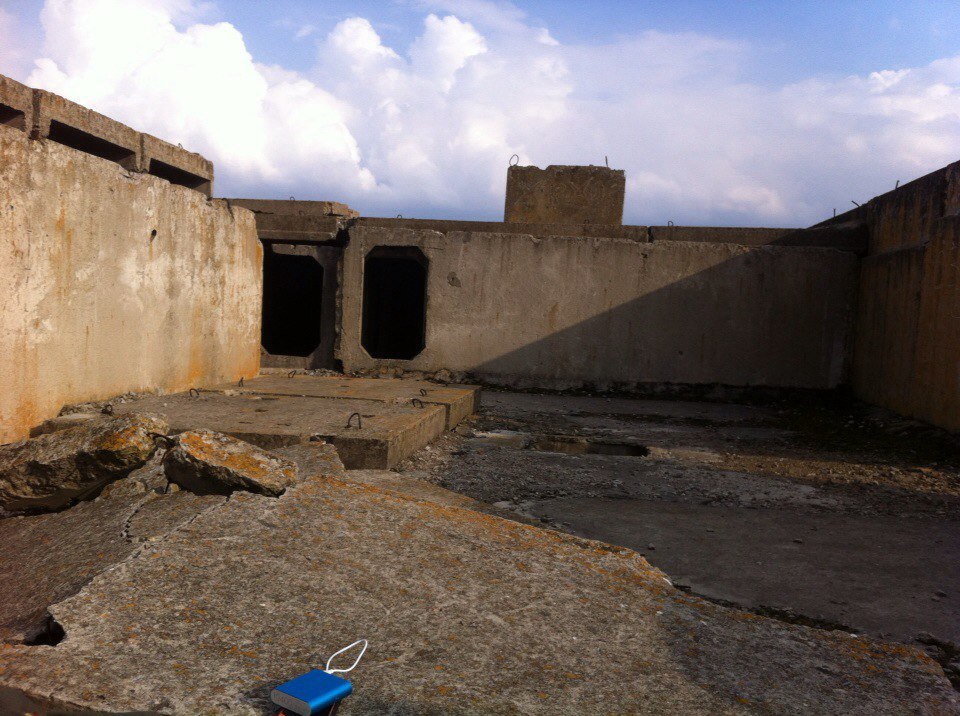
114, 281
613, 313
907, 350
565, 195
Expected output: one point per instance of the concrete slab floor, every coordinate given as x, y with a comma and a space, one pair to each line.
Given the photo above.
458, 401
824, 513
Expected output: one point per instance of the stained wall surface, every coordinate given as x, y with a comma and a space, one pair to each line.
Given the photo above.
907, 350
113, 281
552, 312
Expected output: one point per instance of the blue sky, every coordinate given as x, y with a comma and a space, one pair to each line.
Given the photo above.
790, 40
728, 113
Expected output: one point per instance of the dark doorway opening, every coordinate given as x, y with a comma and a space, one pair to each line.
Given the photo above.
394, 302
292, 303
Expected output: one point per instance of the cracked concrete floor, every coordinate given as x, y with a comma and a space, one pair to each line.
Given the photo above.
832, 514
168, 604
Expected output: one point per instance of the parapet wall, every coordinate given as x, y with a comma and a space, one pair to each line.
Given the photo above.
44, 115
518, 310
114, 281
907, 351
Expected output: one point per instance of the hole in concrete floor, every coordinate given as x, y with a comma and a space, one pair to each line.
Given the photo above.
394, 302
292, 303
50, 634
11, 117
88, 143
582, 446
177, 176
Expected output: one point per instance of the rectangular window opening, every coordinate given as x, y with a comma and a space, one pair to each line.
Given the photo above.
89, 144
11, 117
177, 176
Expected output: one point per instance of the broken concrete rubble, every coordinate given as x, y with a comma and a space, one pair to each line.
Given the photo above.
208, 463
50, 471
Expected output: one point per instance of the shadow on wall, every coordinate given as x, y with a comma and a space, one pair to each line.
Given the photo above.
752, 320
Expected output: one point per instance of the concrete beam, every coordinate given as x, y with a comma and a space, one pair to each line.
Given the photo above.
843, 237
605, 231
73, 125
175, 164
297, 208
16, 104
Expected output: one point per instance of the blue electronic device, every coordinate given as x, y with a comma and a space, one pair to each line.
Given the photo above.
317, 692
311, 693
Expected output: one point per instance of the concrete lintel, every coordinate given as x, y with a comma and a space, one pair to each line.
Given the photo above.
74, 125
293, 227
16, 104
176, 164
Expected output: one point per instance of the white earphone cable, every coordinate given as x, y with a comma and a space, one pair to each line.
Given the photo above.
347, 648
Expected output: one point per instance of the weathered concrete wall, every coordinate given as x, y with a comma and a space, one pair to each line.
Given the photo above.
555, 312
113, 281
907, 349
565, 195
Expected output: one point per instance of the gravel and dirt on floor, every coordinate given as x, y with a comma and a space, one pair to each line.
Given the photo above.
818, 511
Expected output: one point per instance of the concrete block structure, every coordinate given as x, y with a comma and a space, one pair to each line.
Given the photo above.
565, 195
561, 294
303, 245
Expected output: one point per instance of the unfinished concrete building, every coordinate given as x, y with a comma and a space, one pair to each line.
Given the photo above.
241, 432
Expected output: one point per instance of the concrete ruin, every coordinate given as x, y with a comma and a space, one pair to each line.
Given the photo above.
318, 454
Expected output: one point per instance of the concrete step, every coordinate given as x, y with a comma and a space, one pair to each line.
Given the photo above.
458, 401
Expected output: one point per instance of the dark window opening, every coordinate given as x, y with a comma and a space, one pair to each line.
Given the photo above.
177, 176
394, 302
11, 117
292, 303
80, 140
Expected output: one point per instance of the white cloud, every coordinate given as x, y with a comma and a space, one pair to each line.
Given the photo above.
428, 129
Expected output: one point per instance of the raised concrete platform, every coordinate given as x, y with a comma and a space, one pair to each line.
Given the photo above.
458, 401
373, 423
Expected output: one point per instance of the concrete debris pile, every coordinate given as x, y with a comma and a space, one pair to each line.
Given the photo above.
55, 470
50, 471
